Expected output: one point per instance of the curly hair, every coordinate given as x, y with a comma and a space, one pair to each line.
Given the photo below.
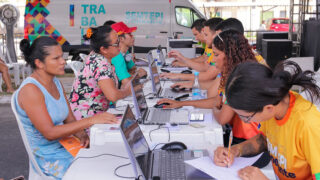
236, 49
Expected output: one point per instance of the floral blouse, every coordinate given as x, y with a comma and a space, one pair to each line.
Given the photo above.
86, 98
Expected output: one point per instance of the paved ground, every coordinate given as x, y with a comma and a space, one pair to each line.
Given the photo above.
13, 156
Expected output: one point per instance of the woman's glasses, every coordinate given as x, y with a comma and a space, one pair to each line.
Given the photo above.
116, 44
246, 119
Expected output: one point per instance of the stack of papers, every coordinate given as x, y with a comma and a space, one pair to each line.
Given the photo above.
206, 165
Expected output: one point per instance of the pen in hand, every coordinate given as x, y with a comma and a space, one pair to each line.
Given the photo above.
229, 147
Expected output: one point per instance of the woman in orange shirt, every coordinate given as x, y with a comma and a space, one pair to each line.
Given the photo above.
289, 123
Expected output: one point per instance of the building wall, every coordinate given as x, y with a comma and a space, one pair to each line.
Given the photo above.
251, 17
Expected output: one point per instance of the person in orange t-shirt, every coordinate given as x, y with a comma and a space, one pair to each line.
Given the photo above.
289, 124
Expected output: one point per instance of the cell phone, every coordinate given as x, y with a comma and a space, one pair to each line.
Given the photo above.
197, 117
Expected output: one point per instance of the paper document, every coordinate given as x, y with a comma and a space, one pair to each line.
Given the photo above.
175, 68
206, 165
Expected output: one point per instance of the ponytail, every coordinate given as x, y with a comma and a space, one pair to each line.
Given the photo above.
38, 49
99, 37
252, 85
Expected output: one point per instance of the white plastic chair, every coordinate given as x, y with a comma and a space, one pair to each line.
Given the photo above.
35, 172
1, 80
76, 66
83, 57
15, 67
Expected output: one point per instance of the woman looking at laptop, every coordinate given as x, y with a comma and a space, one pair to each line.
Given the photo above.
97, 84
44, 111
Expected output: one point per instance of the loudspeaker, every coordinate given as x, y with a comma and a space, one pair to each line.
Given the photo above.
276, 50
310, 44
269, 35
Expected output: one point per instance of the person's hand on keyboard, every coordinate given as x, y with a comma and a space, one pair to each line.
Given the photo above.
177, 55
169, 76
186, 85
172, 103
177, 63
142, 73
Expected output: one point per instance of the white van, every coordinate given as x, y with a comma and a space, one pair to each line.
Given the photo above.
68, 20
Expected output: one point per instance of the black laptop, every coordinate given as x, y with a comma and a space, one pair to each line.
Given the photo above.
157, 164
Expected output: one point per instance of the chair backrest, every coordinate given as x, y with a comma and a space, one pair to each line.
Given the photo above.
5, 55
1, 80
83, 56
32, 160
76, 66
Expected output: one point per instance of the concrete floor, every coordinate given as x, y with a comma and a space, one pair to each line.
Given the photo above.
13, 156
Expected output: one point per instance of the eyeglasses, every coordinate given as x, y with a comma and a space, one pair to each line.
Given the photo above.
246, 119
116, 44
220, 37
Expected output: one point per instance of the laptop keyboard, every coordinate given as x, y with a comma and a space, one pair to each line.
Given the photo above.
168, 93
172, 165
160, 116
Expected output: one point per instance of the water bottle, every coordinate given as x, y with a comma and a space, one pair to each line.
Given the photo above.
158, 61
196, 91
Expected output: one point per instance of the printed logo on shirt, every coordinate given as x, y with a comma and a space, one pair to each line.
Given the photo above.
279, 160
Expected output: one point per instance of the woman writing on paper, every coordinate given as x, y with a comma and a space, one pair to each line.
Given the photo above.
290, 124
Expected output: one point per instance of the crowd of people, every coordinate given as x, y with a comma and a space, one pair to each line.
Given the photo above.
243, 93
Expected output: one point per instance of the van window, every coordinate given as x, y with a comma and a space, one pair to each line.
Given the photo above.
185, 16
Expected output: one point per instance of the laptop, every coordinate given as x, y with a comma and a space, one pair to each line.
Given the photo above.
155, 116
162, 61
157, 164
156, 85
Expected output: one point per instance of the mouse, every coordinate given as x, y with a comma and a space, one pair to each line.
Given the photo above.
161, 105
174, 146
178, 89
186, 72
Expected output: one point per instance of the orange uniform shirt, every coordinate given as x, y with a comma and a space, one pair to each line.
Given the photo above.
294, 141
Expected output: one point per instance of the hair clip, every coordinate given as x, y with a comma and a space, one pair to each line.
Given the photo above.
120, 32
220, 37
89, 33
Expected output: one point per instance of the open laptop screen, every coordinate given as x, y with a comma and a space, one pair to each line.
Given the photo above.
135, 139
162, 58
155, 79
139, 99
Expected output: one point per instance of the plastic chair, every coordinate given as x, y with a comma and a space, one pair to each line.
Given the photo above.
15, 67
83, 57
1, 80
35, 172
76, 66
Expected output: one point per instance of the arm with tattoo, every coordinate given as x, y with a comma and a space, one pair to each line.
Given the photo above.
252, 146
